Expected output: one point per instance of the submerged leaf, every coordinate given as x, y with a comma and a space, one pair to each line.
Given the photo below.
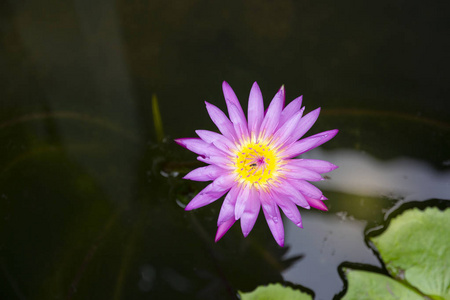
275, 292
157, 120
368, 285
416, 248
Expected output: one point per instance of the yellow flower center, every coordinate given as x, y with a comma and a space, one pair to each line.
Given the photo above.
256, 164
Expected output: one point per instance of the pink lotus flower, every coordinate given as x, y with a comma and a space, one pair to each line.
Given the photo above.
255, 162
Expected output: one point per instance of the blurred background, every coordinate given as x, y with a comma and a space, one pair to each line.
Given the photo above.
91, 200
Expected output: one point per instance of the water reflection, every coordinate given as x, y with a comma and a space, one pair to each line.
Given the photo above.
329, 239
148, 274
326, 241
402, 178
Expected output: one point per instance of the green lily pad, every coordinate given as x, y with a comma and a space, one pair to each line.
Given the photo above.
416, 249
275, 292
364, 285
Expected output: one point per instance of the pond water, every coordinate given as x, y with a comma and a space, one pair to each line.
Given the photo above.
91, 203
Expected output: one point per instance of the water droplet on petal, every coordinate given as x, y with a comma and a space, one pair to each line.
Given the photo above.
275, 219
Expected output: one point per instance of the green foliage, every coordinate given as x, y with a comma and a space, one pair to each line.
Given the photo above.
416, 250
275, 292
364, 285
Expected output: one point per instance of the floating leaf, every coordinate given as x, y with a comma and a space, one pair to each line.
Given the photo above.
368, 285
275, 292
416, 248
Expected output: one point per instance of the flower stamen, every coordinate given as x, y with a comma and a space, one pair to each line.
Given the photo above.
254, 164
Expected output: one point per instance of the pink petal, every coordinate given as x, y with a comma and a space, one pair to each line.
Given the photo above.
223, 228
198, 146
307, 188
228, 205
240, 127
300, 147
212, 192
273, 114
218, 140
203, 198
290, 210
240, 202
207, 136
290, 110
296, 172
255, 110
325, 135
235, 111
308, 143
285, 131
218, 160
220, 119
285, 188
318, 204
224, 182
269, 205
251, 212
230, 98
319, 166
304, 125
205, 173
275, 224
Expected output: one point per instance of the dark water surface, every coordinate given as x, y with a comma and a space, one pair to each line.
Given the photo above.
91, 203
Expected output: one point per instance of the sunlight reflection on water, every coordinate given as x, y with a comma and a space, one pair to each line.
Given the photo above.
403, 178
